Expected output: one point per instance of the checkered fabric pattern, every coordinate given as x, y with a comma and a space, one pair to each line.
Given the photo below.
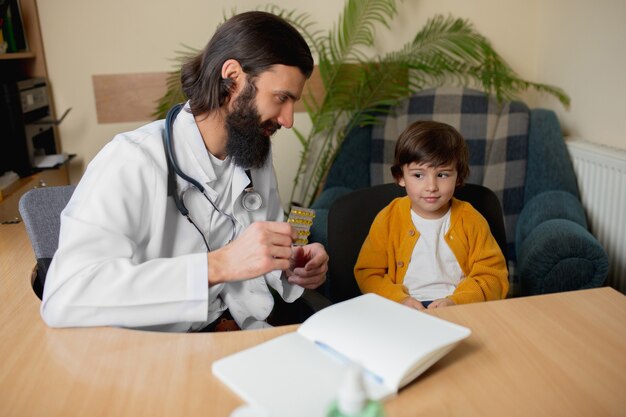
496, 134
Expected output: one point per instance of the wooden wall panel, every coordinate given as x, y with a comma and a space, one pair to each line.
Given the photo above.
127, 97
133, 97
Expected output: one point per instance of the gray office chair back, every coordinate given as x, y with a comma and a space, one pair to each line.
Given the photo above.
40, 209
350, 218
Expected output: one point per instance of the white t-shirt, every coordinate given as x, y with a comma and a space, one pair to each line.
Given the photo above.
433, 271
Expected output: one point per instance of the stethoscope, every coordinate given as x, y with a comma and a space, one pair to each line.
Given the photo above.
251, 199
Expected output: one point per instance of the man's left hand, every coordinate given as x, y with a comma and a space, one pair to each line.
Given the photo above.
309, 264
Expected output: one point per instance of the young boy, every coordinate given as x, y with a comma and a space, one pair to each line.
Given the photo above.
428, 249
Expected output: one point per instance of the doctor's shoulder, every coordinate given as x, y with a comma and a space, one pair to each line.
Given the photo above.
143, 142
134, 153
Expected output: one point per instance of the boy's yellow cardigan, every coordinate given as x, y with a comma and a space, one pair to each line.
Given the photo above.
387, 250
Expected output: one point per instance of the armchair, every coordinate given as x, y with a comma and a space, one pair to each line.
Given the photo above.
516, 152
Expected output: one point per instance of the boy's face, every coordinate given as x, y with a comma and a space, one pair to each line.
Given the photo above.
430, 189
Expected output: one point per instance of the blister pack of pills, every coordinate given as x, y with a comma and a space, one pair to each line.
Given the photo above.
301, 219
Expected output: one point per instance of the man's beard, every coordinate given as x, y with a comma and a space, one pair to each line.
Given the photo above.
248, 139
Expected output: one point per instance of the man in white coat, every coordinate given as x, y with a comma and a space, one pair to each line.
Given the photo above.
128, 257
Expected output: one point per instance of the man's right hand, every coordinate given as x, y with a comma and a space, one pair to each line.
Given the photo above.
261, 248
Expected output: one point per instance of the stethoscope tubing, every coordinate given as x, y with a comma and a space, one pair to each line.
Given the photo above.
173, 165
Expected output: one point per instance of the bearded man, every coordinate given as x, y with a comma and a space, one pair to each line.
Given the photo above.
178, 226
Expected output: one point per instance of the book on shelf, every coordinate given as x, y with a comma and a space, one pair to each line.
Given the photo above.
300, 372
12, 26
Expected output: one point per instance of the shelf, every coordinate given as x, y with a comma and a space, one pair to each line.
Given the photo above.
17, 55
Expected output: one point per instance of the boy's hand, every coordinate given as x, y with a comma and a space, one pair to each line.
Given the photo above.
441, 302
413, 303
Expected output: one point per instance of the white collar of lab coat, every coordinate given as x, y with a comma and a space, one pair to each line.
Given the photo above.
192, 157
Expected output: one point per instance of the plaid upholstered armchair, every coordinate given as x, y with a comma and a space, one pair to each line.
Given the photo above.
516, 152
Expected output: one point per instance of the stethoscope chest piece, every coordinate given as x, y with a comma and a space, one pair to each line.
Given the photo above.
251, 200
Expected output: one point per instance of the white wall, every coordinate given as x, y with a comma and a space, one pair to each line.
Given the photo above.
574, 44
582, 48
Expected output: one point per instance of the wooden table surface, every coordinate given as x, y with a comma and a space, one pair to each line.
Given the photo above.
553, 355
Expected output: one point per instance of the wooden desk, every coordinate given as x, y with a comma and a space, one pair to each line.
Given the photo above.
553, 355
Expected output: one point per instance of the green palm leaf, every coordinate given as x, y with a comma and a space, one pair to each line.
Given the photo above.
174, 92
446, 50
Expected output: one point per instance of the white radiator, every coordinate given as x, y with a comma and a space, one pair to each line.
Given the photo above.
601, 174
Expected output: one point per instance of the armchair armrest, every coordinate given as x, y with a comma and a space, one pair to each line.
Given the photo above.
546, 206
555, 251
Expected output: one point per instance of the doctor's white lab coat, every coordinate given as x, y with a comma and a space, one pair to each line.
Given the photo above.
128, 258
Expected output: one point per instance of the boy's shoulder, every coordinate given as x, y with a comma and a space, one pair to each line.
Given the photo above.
465, 210
397, 205
398, 210
462, 205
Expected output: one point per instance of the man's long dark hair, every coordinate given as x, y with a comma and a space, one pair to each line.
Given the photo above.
257, 40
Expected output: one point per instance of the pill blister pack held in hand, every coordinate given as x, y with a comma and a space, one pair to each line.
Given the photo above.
301, 219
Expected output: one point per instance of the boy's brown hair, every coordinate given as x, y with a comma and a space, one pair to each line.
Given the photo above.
432, 143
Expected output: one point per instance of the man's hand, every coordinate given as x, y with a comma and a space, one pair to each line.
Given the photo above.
261, 248
441, 302
308, 266
413, 303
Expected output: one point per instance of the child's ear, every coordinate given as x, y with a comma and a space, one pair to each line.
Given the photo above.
400, 182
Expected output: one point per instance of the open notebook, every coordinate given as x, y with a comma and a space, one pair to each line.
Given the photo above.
299, 373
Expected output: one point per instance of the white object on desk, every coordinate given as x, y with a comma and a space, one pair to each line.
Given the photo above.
294, 374
250, 411
7, 179
50, 161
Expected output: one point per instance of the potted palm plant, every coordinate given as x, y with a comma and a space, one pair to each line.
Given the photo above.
358, 87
